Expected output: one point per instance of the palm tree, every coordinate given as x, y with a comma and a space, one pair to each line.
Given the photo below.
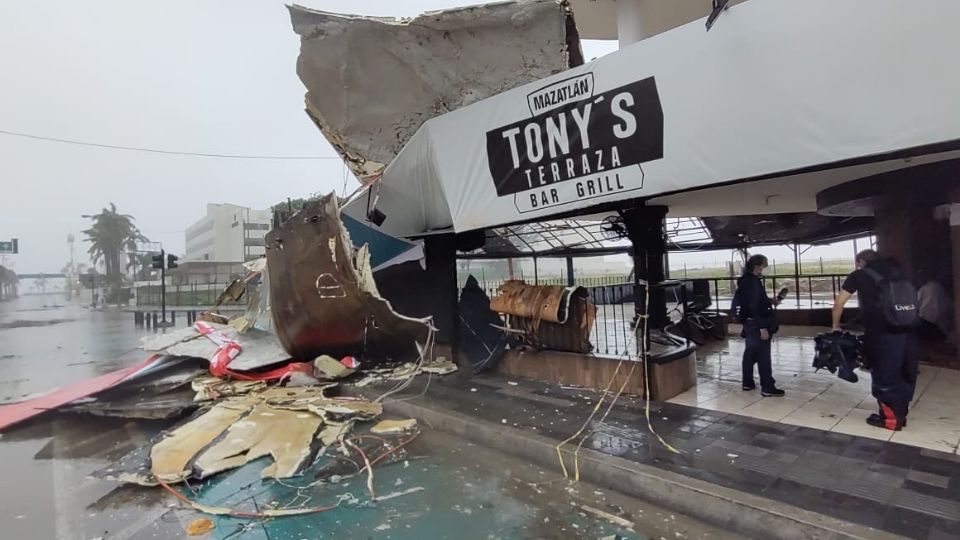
141, 264
111, 235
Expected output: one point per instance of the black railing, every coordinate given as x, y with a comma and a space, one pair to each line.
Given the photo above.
805, 292
613, 328
196, 294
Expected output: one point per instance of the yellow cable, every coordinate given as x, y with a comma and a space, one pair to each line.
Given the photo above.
646, 381
603, 396
584, 426
576, 454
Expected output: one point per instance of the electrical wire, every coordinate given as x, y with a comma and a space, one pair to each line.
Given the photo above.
159, 151
369, 467
646, 380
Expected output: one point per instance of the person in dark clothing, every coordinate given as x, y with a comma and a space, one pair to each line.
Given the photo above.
755, 311
890, 352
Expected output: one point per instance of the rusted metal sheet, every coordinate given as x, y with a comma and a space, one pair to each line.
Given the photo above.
372, 81
540, 302
551, 317
323, 297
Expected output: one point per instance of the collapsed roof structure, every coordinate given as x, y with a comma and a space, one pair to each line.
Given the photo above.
705, 111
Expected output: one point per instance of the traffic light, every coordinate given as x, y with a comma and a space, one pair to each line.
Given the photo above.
158, 260
171, 261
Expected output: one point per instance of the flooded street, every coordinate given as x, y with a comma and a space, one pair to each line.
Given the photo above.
47, 341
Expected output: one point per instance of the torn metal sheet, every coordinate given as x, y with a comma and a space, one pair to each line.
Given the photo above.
18, 412
259, 348
434, 63
542, 302
551, 317
324, 302
133, 468
138, 403
286, 436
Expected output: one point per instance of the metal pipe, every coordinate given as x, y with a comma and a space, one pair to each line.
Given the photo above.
796, 269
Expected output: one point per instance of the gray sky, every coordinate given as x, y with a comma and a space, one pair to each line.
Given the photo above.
209, 76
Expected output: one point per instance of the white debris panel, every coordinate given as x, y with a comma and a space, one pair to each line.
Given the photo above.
373, 81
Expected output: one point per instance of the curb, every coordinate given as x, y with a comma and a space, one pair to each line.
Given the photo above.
727, 508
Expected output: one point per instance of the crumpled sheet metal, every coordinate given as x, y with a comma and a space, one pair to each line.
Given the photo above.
373, 81
325, 302
259, 347
541, 302
557, 318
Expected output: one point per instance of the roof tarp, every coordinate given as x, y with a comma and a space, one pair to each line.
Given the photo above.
775, 88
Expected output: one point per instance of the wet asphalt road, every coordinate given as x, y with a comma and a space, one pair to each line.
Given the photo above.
46, 342
45, 463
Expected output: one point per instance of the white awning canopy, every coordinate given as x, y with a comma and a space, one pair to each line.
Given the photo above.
777, 89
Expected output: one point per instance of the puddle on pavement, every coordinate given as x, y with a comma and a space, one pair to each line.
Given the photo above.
21, 323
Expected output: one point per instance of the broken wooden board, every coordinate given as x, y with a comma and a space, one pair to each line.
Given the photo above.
287, 436
171, 458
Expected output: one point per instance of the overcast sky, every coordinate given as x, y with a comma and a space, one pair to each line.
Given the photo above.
208, 76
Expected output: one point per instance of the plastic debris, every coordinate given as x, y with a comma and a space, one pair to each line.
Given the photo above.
199, 527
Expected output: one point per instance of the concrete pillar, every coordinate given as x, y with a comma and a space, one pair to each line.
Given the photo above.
907, 231
645, 228
629, 18
441, 259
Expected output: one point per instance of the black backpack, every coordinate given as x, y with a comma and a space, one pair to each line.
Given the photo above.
897, 300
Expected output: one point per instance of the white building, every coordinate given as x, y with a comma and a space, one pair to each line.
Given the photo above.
228, 233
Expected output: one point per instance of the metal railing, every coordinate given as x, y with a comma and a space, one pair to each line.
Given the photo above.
810, 291
196, 294
614, 300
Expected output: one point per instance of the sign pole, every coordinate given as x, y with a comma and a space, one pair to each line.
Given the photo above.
163, 286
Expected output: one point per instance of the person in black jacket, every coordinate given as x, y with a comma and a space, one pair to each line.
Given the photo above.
890, 352
755, 311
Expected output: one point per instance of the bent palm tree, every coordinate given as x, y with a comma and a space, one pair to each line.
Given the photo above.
111, 235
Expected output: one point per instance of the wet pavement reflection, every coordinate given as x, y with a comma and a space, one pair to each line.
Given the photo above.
47, 342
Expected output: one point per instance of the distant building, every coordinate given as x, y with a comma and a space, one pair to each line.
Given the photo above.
227, 234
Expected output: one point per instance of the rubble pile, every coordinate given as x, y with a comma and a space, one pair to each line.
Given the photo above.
267, 386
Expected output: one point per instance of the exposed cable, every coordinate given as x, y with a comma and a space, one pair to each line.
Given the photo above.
369, 467
159, 151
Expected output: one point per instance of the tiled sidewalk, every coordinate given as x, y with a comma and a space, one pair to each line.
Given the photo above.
901, 489
822, 400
